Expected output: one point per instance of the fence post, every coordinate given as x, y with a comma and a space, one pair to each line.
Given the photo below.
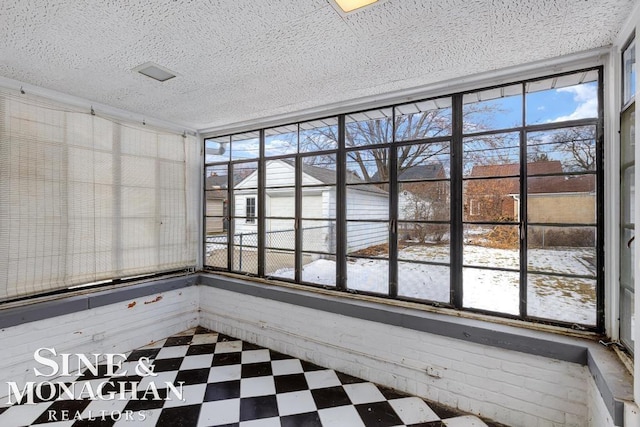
240, 256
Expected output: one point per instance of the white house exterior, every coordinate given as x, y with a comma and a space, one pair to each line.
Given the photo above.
364, 202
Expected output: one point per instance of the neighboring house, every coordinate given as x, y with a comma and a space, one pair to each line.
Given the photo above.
216, 203
553, 199
364, 202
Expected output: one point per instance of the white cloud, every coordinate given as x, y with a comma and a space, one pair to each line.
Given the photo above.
586, 96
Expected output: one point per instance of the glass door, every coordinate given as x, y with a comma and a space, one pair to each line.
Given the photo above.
627, 196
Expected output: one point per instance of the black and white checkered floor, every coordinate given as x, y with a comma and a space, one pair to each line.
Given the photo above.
227, 382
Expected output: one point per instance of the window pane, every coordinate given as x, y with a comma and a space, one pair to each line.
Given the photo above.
491, 155
493, 200
368, 275
424, 201
564, 150
215, 225
216, 250
629, 72
368, 238
279, 264
244, 211
562, 250
491, 290
281, 140
567, 299
280, 234
245, 245
319, 269
318, 170
280, 173
492, 109
368, 165
564, 199
494, 246
423, 242
216, 181
423, 281
245, 146
369, 127
319, 202
424, 161
245, 175
627, 263
558, 99
319, 236
216, 177
367, 202
628, 196
319, 135
425, 119
217, 149
628, 135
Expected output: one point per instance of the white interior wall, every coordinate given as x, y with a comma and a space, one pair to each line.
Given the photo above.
509, 387
114, 328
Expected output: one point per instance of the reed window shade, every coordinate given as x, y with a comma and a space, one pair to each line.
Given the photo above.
85, 198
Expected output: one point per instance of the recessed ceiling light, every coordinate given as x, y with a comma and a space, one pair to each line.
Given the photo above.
351, 5
155, 71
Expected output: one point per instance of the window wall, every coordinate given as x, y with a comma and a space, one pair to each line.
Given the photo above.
487, 201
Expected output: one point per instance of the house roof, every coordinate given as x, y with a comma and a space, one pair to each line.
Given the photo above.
216, 182
326, 176
426, 171
274, 58
540, 184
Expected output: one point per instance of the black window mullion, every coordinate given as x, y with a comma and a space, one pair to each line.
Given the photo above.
298, 220
262, 211
600, 294
341, 211
393, 213
456, 225
231, 227
523, 223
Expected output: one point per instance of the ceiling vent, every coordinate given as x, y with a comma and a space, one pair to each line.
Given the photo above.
155, 71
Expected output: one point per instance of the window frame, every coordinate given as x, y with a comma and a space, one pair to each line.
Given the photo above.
455, 182
250, 209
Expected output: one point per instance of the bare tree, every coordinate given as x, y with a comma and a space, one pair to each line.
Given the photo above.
425, 201
579, 144
375, 161
575, 147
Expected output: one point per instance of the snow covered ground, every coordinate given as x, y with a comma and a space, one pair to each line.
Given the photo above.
550, 297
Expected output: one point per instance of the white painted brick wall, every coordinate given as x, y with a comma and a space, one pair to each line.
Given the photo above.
598, 413
509, 387
115, 328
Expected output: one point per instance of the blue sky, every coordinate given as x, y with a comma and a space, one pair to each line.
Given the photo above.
568, 103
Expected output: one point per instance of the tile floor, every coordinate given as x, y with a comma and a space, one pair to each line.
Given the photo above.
227, 382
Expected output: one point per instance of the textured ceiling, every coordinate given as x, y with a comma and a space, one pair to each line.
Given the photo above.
240, 60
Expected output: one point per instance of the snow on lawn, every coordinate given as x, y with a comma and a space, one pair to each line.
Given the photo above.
550, 297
